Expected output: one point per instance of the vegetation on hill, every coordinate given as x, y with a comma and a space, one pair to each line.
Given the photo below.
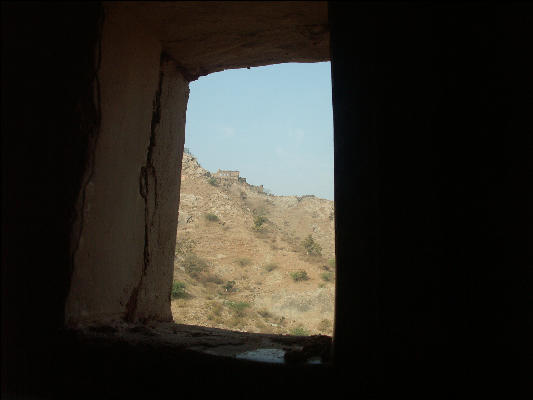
311, 247
300, 275
245, 260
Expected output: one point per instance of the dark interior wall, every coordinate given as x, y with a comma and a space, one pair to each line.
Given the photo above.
49, 118
432, 117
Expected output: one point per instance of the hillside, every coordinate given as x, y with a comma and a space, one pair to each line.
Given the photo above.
239, 257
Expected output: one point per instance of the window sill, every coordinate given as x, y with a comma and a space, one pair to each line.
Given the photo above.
213, 342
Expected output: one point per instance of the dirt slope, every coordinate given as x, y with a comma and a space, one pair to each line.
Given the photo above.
234, 272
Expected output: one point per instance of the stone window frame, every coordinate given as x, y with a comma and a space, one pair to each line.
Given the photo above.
102, 238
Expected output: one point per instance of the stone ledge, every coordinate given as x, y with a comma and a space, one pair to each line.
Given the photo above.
179, 338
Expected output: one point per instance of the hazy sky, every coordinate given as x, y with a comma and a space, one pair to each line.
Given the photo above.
274, 124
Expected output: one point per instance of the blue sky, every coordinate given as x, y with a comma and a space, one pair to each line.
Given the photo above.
274, 124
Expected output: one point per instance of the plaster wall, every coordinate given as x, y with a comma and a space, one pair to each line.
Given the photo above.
119, 202
161, 178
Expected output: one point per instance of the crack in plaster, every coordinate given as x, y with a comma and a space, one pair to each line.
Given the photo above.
147, 175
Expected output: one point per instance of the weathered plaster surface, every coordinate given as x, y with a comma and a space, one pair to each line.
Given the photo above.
109, 258
160, 187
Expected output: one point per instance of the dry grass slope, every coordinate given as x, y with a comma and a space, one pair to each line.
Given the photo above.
250, 261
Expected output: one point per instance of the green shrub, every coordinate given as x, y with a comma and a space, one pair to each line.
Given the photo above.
300, 275
212, 181
270, 267
327, 276
311, 247
243, 262
331, 262
178, 290
194, 265
259, 220
299, 331
211, 217
229, 286
239, 307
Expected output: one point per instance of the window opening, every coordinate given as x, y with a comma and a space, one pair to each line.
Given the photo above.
255, 241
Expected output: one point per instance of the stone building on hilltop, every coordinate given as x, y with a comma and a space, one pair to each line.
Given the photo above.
229, 175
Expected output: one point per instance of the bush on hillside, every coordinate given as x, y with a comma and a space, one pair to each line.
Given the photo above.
311, 247
211, 217
299, 331
327, 276
229, 286
178, 290
300, 275
194, 265
270, 267
239, 307
259, 220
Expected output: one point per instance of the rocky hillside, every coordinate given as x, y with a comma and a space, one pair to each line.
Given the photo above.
250, 261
